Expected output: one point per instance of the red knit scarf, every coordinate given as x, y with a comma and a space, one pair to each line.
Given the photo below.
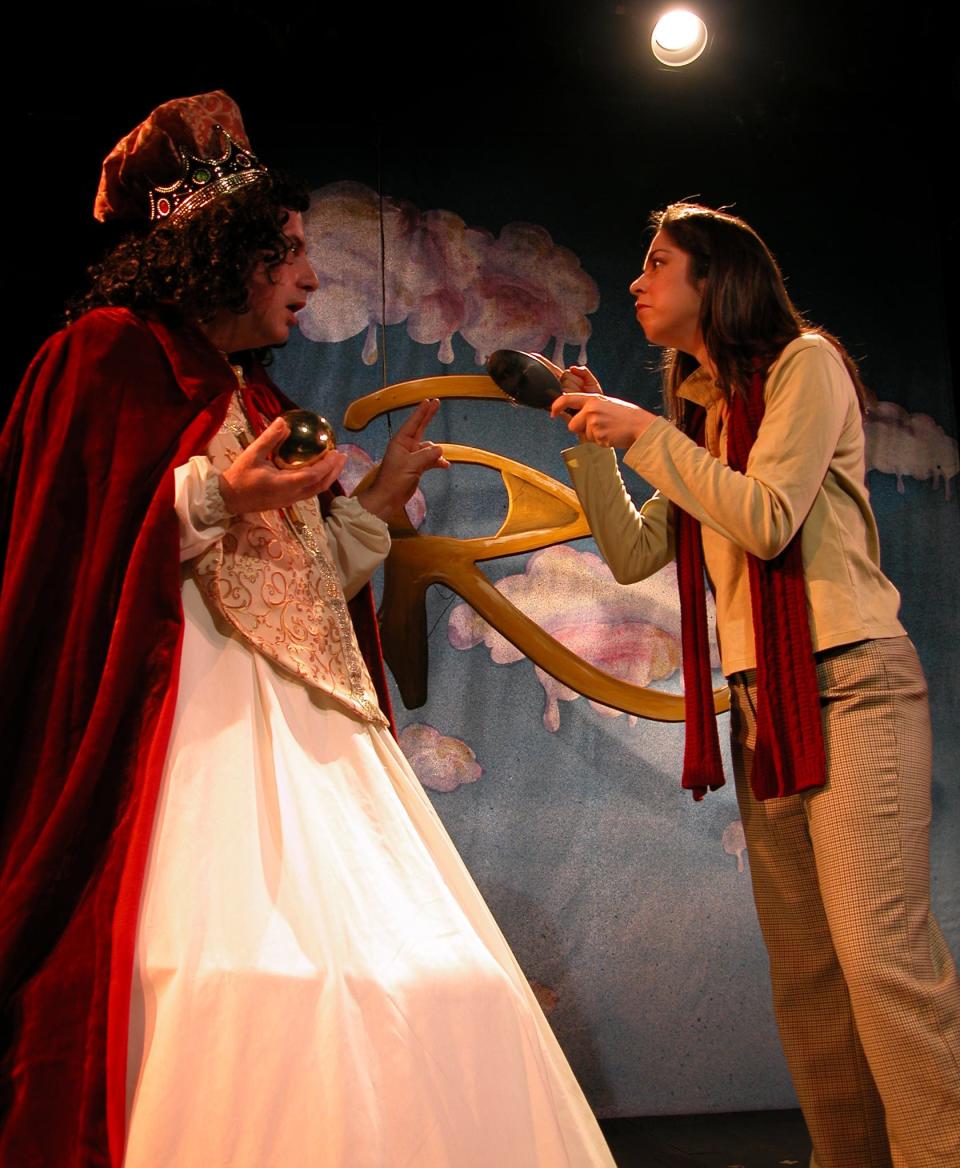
789, 753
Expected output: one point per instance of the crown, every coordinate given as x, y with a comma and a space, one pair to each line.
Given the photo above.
203, 180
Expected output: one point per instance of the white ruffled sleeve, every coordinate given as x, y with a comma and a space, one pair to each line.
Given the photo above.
199, 505
359, 543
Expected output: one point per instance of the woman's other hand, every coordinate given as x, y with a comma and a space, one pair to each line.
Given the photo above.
573, 379
255, 483
607, 421
579, 379
406, 458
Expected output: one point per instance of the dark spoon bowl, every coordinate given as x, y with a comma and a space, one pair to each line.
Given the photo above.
523, 378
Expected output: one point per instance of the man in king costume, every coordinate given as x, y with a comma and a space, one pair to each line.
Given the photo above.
233, 929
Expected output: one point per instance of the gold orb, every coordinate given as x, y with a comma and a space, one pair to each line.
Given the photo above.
310, 437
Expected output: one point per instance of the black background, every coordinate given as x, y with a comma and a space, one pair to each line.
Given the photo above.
829, 126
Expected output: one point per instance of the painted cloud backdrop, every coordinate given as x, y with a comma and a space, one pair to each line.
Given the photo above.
440, 762
632, 631
517, 290
900, 443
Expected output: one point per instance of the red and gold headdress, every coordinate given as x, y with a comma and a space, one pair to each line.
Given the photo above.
186, 154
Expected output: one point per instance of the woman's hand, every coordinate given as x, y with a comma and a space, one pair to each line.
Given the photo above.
406, 458
574, 379
607, 421
255, 483
579, 379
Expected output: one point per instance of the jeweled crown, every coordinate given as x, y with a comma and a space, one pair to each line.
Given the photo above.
204, 180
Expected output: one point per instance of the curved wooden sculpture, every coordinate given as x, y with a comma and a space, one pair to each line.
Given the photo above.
540, 512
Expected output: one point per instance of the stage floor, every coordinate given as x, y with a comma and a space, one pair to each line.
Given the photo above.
745, 1139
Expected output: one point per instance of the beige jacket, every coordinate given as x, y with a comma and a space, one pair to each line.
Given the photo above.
806, 467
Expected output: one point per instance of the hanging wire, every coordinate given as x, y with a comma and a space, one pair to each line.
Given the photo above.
383, 280
451, 598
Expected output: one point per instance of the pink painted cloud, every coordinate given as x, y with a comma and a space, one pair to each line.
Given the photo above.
516, 290
632, 632
913, 445
439, 762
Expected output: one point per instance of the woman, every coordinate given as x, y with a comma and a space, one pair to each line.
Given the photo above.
232, 928
759, 477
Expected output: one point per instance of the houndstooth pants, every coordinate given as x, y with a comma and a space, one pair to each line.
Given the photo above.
865, 990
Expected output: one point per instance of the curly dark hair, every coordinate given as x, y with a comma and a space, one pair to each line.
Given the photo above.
192, 269
746, 316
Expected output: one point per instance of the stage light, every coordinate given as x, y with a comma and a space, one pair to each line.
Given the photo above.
679, 37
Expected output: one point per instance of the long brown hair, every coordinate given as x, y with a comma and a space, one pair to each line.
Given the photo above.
746, 316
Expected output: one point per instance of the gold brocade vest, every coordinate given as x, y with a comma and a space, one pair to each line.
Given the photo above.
273, 579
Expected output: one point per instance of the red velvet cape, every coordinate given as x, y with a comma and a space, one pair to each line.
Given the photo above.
90, 635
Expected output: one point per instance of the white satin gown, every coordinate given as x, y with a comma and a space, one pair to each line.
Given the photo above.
318, 981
